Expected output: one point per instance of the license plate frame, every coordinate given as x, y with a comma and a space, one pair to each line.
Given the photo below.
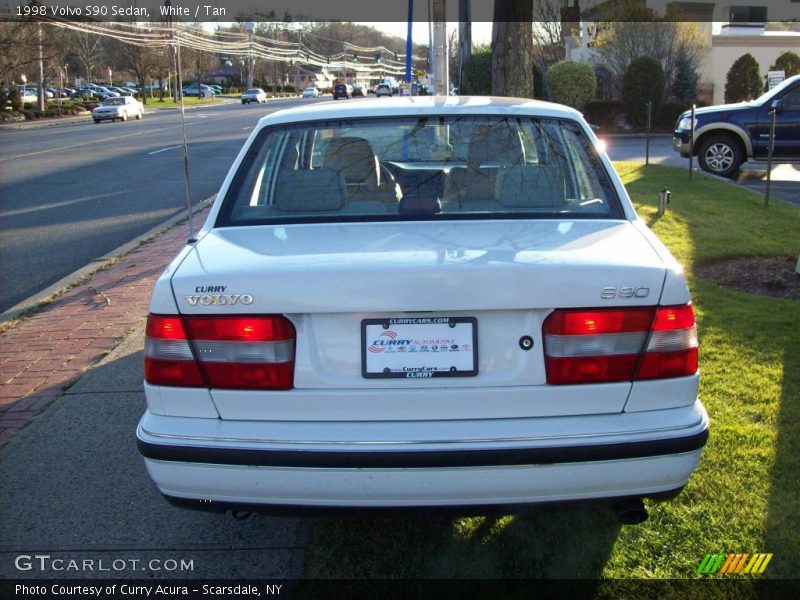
381, 357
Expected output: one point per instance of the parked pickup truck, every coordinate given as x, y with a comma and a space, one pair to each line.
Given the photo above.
730, 134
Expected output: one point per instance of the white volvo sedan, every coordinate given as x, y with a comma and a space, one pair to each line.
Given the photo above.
422, 302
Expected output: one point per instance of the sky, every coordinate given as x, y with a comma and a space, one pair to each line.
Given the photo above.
481, 32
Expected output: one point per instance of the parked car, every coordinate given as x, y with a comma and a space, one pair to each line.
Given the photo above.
121, 107
198, 90
358, 91
427, 302
383, 89
311, 92
107, 91
342, 90
215, 88
254, 95
121, 91
53, 92
730, 134
28, 95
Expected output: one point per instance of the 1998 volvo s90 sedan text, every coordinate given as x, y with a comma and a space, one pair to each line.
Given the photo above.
422, 302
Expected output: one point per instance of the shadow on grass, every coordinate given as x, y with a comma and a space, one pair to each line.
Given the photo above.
750, 383
783, 505
548, 543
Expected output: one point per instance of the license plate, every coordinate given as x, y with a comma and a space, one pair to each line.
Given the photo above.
419, 348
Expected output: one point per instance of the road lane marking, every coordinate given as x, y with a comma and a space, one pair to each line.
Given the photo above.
91, 143
165, 149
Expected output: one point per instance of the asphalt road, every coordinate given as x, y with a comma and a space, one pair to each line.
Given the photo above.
73, 192
785, 182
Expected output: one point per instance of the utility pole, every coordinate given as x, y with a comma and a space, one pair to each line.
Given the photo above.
178, 90
464, 40
249, 27
440, 65
40, 100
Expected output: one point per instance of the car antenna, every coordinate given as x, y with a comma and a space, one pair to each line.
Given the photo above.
175, 33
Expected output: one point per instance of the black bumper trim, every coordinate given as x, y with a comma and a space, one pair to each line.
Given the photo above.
420, 510
420, 459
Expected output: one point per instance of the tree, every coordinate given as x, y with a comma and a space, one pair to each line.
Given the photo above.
743, 81
548, 35
788, 62
478, 73
571, 83
538, 81
644, 81
684, 88
142, 61
633, 31
86, 48
512, 48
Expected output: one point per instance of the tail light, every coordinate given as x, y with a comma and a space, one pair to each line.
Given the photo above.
605, 345
231, 352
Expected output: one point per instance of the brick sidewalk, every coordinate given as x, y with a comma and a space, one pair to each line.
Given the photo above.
47, 352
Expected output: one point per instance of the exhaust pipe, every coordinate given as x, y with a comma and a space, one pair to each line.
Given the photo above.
630, 511
241, 515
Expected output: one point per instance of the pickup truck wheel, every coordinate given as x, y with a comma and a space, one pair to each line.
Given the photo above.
721, 155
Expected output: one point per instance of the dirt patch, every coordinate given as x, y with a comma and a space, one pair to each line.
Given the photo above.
763, 275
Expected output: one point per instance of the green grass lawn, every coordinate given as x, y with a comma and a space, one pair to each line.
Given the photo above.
170, 102
745, 494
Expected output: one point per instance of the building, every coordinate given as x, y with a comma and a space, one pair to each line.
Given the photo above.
731, 29
303, 76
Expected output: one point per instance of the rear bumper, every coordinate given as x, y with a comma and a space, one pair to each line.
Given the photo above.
604, 456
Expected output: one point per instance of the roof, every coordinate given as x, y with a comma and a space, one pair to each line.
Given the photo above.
418, 106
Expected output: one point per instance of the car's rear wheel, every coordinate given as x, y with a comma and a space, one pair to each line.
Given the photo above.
140, 115
720, 154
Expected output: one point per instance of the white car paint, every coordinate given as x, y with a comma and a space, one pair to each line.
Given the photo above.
121, 107
509, 274
256, 95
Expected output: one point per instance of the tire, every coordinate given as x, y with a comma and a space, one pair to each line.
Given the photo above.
97, 121
243, 102
720, 154
125, 116
140, 115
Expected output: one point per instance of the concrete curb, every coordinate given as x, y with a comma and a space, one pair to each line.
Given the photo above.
96, 265
87, 118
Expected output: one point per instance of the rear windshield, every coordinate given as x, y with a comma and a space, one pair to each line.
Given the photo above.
420, 168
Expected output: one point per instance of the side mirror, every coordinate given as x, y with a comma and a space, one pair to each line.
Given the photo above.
777, 106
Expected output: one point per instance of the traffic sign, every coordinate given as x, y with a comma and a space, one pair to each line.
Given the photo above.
774, 78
